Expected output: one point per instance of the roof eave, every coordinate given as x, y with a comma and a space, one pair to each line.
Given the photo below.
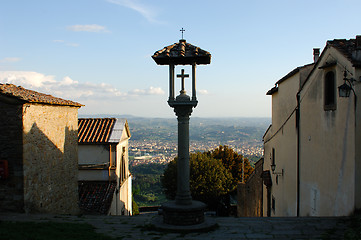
272, 90
165, 60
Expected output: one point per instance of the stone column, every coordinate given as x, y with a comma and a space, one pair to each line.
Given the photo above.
183, 211
183, 196
194, 96
171, 82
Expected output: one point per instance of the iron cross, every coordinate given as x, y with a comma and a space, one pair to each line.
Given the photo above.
182, 76
182, 30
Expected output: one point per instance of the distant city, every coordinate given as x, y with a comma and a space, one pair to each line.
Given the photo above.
145, 152
155, 140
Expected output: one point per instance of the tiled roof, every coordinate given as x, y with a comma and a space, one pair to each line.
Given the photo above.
346, 47
31, 96
181, 53
95, 130
96, 197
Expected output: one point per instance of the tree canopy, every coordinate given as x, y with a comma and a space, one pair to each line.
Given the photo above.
233, 162
213, 174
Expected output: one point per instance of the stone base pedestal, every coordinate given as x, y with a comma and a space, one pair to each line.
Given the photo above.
184, 218
183, 215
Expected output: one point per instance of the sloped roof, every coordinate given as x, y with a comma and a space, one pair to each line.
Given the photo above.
101, 130
96, 197
288, 75
95, 130
346, 47
120, 125
272, 90
26, 95
181, 53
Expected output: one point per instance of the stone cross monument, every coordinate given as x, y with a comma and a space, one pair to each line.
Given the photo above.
183, 211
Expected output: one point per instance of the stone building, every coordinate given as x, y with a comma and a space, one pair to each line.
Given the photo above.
38, 143
105, 183
311, 150
250, 194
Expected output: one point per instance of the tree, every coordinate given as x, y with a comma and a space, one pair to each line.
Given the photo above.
233, 162
214, 176
209, 179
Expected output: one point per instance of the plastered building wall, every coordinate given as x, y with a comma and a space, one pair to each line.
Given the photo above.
280, 145
93, 154
124, 178
327, 159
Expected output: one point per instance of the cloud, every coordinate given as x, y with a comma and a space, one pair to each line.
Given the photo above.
69, 44
148, 91
87, 28
72, 44
10, 60
147, 12
203, 92
70, 89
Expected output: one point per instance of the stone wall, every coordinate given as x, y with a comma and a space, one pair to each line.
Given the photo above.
50, 140
11, 189
250, 194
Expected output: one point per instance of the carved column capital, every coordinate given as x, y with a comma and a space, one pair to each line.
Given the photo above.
183, 112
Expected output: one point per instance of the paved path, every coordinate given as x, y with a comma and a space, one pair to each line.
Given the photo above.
140, 227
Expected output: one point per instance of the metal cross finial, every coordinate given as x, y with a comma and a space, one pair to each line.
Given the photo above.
182, 30
182, 76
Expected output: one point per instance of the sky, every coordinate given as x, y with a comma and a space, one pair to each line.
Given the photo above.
98, 52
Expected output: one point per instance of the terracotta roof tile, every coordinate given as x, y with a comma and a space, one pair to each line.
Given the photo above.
96, 197
181, 53
31, 96
348, 48
95, 130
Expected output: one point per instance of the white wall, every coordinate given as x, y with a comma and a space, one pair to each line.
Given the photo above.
327, 146
284, 143
93, 154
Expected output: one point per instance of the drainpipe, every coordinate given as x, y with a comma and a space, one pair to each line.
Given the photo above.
298, 111
110, 162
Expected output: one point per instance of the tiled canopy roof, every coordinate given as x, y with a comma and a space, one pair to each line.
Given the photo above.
181, 53
95, 130
31, 96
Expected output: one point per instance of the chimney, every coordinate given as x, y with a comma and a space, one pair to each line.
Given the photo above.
357, 52
358, 42
316, 54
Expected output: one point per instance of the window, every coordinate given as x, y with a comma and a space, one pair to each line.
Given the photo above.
273, 204
123, 164
330, 91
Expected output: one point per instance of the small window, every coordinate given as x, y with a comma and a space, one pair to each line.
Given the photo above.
123, 165
330, 91
273, 204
